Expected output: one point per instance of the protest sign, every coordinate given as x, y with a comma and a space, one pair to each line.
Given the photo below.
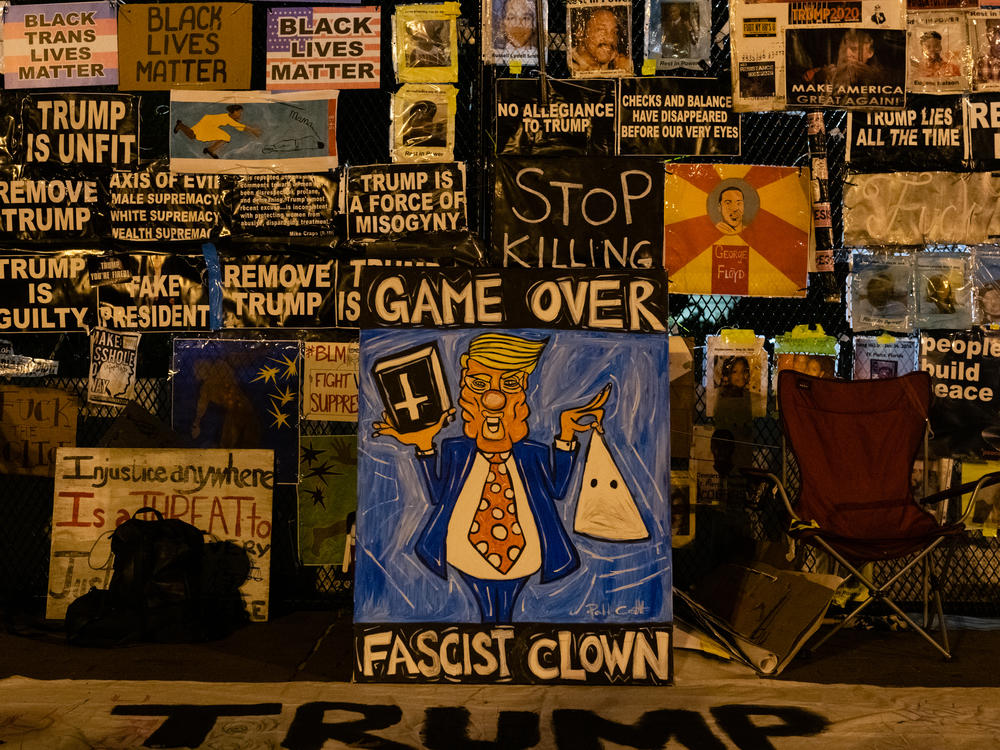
919, 208
34, 422
70, 128
45, 292
929, 134
965, 371
402, 199
982, 131
156, 205
558, 345
226, 494
253, 132
295, 205
737, 229
65, 44
574, 213
164, 293
164, 46
106, 269
264, 291
113, 360
323, 48
239, 394
55, 209
548, 117
330, 381
328, 499
20, 366
677, 116
841, 54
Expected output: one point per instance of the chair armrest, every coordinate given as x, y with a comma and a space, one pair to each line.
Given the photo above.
986, 480
766, 476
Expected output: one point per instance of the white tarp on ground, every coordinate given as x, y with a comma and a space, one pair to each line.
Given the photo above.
712, 705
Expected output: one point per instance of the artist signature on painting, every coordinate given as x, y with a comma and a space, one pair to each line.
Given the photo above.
597, 611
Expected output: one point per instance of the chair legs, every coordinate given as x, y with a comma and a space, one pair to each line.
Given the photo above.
879, 593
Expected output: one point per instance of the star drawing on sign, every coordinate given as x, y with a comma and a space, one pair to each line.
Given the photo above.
310, 454
317, 497
280, 417
285, 396
266, 374
320, 472
290, 365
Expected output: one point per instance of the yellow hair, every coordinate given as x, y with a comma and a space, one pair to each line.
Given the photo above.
504, 352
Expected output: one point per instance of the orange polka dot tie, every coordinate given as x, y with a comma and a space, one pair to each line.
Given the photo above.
495, 532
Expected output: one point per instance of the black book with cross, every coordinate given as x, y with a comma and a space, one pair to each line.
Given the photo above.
413, 387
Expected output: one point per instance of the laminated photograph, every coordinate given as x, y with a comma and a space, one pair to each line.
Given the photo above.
881, 357
510, 31
425, 43
423, 123
735, 377
943, 290
882, 293
598, 38
678, 33
984, 39
937, 51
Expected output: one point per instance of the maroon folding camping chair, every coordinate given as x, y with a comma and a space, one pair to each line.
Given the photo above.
855, 443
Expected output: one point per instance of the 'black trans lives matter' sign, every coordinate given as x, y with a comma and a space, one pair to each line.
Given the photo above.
578, 213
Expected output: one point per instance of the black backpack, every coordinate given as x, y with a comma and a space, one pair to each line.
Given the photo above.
167, 585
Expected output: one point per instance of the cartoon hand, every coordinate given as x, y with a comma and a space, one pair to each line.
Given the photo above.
422, 440
570, 420
254, 131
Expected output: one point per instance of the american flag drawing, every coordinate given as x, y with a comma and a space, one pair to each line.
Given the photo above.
323, 48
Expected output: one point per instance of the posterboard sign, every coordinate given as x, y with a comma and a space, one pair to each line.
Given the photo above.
573, 213
267, 291
65, 44
917, 208
840, 54
937, 48
327, 500
239, 394
34, 422
295, 205
226, 494
45, 292
164, 293
928, 134
677, 117
965, 371
253, 132
575, 117
96, 130
157, 205
113, 359
982, 129
494, 532
330, 381
734, 229
323, 48
38, 210
878, 358
163, 46
395, 200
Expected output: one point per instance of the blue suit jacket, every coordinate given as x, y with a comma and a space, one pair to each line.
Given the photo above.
545, 473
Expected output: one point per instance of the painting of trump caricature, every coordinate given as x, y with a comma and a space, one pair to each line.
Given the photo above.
493, 521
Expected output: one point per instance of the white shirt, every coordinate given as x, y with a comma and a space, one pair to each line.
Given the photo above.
461, 553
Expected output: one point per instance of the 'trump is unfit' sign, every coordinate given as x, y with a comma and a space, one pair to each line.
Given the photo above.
578, 213
184, 46
224, 493
95, 129
323, 48
68, 44
405, 199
